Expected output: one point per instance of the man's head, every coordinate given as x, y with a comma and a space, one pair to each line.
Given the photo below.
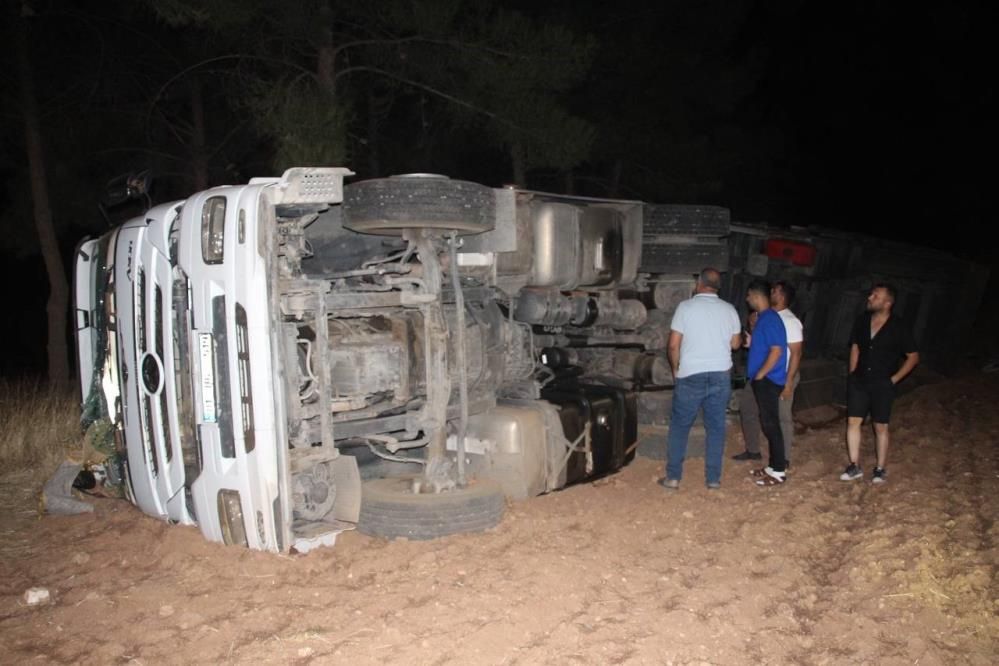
758, 295
881, 298
708, 281
781, 295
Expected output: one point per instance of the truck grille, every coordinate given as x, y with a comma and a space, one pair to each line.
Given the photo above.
222, 384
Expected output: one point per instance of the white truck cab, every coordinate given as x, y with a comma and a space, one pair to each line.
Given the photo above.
257, 350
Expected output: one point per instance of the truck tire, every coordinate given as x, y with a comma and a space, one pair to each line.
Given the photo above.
390, 510
387, 206
683, 258
653, 444
686, 220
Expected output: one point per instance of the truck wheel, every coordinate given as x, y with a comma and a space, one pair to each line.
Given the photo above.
686, 220
389, 509
386, 206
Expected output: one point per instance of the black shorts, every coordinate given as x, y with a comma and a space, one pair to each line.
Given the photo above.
867, 395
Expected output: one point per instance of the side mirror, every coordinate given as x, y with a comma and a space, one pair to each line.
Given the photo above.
126, 187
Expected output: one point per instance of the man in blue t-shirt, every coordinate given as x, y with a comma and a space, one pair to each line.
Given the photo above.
767, 370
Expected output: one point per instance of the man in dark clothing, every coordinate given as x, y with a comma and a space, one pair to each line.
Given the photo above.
882, 353
767, 369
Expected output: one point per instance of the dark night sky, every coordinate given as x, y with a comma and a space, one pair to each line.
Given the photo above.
886, 110
858, 115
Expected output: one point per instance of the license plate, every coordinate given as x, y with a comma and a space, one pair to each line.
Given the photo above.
207, 348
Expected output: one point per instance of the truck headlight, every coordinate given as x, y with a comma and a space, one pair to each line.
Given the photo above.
231, 518
213, 230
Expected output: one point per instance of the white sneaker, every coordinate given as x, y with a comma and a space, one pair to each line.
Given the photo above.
852, 473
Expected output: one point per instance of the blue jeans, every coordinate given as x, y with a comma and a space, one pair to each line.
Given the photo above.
709, 391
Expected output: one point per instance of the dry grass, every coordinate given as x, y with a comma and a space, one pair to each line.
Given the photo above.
39, 427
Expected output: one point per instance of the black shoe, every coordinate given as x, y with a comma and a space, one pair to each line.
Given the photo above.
746, 455
851, 473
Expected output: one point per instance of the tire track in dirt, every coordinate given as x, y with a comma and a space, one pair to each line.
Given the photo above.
814, 572
862, 542
967, 564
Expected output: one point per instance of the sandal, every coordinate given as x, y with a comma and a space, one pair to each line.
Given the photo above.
768, 480
759, 472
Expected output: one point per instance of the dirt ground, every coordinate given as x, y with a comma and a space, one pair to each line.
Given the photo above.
618, 571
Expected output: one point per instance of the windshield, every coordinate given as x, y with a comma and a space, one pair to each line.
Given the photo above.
103, 398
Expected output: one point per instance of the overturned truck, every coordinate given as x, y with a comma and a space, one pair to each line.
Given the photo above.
279, 361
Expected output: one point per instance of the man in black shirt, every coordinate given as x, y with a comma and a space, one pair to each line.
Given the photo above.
878, 344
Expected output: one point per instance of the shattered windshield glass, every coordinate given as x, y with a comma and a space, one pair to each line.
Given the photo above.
96, 415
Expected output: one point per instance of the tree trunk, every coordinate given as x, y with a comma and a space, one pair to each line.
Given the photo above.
58, 301
326, 56
615, 188
519, 165
374, 161
199, 155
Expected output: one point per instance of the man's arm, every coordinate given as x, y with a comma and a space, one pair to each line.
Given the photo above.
736, 341
854, 357
796, 349
911, 361
776, 354
673, 350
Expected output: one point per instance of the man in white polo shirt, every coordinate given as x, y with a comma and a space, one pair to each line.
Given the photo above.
704, 332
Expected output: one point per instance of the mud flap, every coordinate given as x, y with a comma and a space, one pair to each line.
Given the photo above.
347, 480
58, 492
345, 514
